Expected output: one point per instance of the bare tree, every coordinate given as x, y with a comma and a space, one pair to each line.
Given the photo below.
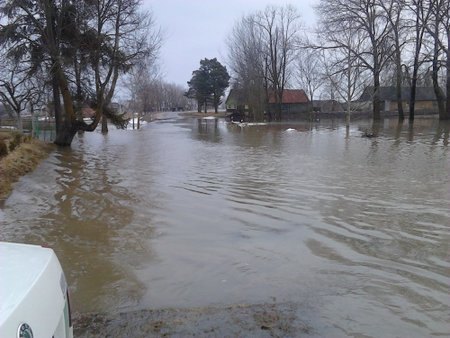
421, 14
364, 17
309, 71
16, 91
149, 93
246, 62
394, 12
439, 29
279, 33
345, 71
131, 37
262, 49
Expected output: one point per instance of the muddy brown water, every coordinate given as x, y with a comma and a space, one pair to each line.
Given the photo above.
197, 213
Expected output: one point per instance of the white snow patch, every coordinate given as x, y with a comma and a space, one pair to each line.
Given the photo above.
249, 124
130, 123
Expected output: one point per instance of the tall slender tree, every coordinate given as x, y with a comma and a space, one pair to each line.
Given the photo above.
439, 29
310, 71
279, 28
247, 63
394, 13
420, 17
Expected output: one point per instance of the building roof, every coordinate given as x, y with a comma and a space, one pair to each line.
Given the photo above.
390, 94
235, 97
291, 96
87, 112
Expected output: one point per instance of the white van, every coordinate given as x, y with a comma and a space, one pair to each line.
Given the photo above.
34, 299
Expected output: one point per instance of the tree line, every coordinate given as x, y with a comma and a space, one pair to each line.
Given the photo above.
357, 43
75, 51
70, 54
148, 92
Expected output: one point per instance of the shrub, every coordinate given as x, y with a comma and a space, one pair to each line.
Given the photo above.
3, 148
16, 141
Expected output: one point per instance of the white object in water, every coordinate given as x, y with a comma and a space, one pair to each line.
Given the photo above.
33, 293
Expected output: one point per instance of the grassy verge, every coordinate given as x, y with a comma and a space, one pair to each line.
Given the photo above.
23, 159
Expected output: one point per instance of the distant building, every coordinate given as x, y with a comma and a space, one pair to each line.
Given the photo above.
235, 101
294, 103
425, 98
117, 108
87, 112
328, 106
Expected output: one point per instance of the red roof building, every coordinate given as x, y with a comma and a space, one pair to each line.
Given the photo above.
295, 104
291, 96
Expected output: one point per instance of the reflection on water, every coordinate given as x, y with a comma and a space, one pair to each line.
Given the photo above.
201, 212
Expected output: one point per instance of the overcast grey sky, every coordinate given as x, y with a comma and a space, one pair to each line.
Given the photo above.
196, 29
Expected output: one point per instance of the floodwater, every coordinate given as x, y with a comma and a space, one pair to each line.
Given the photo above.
191, 213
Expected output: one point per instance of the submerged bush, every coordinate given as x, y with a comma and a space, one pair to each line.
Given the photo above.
3, 148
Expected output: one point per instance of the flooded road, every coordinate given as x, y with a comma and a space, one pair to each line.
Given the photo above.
193, 213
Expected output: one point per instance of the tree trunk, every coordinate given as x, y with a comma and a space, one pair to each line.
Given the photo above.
419, 36
349, 91
401, 115
437, 90
104, 125
347, 115
448, 76
420, 27
65, 130
56, 104
19, 123
279, 102
65, 137
398, 66
216, 103
398, 131
376, 97
63, 126
412, 102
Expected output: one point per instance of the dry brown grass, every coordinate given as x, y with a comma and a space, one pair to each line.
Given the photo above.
19, 162
5, 135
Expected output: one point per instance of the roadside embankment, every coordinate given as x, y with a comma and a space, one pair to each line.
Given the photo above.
19, 159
